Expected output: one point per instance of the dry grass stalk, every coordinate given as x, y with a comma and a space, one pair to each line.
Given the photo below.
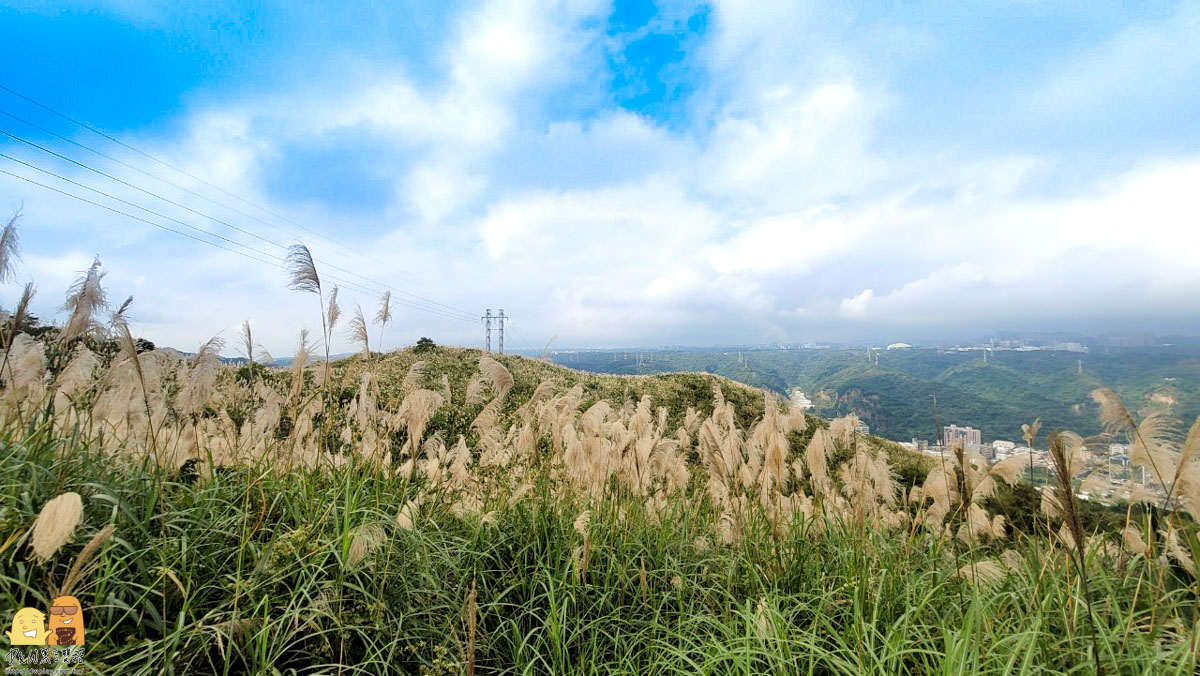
17, 318
470, 612
1064, 449
79, 569
643, 583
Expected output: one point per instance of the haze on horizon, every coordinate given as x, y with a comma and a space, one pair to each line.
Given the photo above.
693, 173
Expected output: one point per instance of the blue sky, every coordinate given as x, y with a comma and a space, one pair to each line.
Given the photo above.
618, 173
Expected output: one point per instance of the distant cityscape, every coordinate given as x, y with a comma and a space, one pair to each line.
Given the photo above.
1108, 479
1001, 341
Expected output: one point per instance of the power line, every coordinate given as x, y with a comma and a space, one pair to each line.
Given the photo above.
519, 336
268, 260
151, 157
136, 218
464, 313
209, 200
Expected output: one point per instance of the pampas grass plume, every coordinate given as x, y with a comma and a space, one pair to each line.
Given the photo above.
581, 523
55, 525
365, 540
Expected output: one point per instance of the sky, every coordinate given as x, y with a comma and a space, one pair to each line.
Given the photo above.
610, 173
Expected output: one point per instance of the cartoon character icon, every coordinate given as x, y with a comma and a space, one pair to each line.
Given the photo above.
29, 628
66, 622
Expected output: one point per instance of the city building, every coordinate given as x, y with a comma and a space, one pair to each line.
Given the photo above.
969, 435
799, 400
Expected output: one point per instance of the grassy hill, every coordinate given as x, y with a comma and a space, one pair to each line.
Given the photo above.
239, 520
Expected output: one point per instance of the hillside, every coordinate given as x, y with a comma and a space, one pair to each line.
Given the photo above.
895, 396
445, 512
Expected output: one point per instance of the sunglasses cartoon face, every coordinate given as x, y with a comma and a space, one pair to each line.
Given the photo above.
66, 622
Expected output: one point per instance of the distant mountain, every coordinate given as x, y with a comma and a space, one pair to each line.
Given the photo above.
893, 390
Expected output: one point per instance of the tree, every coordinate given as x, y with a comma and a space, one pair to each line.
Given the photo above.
424, 345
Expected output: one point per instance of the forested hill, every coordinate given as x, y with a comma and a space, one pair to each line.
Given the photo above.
895, 395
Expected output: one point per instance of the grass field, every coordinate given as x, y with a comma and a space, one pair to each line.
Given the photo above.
575, 529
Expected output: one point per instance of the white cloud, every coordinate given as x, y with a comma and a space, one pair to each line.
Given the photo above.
857, 306
773, 214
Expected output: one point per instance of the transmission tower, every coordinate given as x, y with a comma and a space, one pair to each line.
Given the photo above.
487, 331
502, 318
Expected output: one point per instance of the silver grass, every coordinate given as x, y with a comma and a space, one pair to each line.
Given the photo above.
1011, 559
199, 388
302, 270
22, 309
406, 517
1187, 486
1150, 446
496, 375
85, 299
1177, 551
363, 542
475, 390
1186, 481
358, 331
333, 311
77, 374
55, 525
1131, 539
10, 249
582, 521
247, 341
984, 573
1113, 413
303, 351
416, 411
412, 379
384, 315
1030, 431
16, 319
1009, 470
